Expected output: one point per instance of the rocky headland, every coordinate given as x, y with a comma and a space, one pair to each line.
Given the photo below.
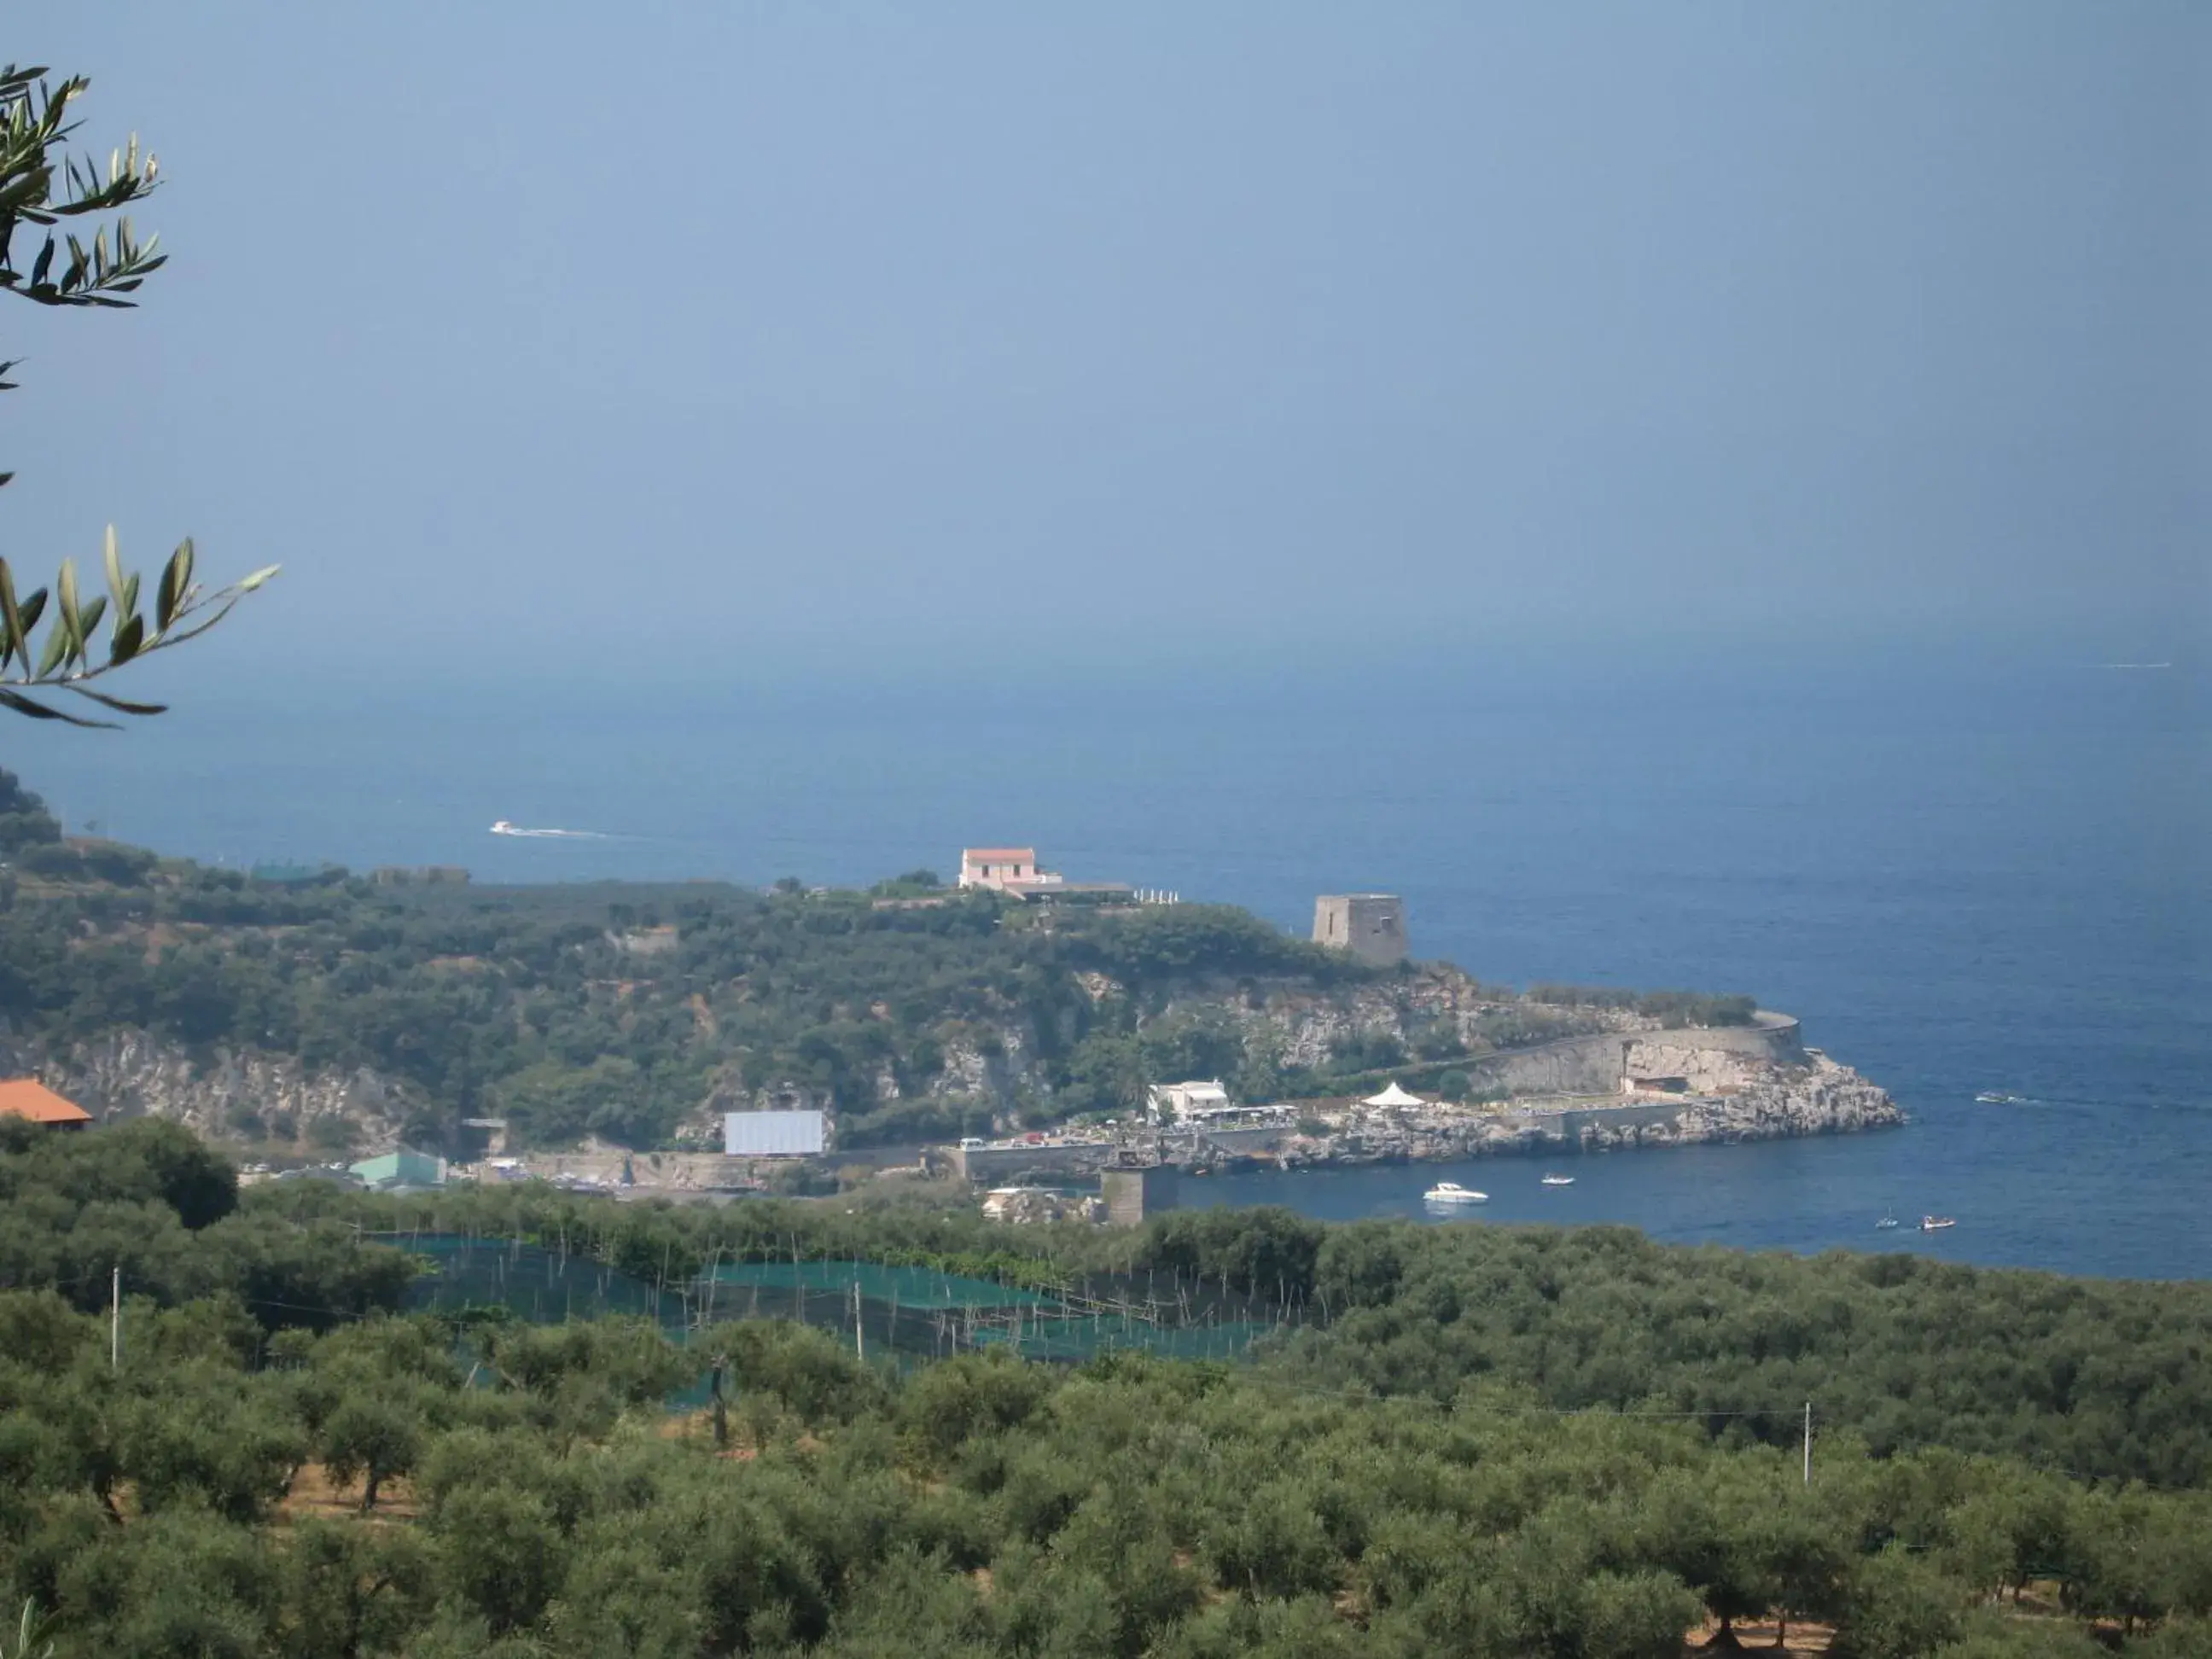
1770, 1102
305, 1017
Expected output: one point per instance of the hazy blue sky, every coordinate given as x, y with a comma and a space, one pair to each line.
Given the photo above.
730, 334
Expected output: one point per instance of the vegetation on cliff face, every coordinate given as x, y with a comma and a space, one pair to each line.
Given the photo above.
1427, 1474
623, 1011
1669, 1007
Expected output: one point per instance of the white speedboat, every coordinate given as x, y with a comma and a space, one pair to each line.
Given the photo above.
1558, 1181
1451, 1192
1936, 1223
502, 828
1990, 1098
1887, 1222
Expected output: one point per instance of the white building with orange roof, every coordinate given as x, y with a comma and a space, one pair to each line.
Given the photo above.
1008, 869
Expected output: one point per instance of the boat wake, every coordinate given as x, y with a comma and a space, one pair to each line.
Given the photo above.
503, 828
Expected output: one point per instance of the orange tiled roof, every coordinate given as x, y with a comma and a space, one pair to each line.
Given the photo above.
26, 1096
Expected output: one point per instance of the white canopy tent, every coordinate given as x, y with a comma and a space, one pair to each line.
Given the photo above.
1394, 1095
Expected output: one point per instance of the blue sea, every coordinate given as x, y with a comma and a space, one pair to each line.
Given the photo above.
1990, 876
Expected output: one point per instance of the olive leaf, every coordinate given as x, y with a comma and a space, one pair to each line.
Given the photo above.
41, 185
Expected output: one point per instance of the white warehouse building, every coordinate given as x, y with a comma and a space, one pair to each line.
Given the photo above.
772, 1134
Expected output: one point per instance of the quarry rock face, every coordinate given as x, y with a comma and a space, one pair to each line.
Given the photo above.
129, 1072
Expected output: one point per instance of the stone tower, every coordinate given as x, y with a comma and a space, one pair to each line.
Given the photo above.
1371, 925
1134, 1195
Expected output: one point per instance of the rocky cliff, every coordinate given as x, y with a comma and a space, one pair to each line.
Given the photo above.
1825, 1098
1748, 1082
1437, 1001
130, 1074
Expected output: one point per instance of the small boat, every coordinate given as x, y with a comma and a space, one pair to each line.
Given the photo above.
1558, 1181
1451, 1192
1993, 1098
1931, 1223
1887, 1221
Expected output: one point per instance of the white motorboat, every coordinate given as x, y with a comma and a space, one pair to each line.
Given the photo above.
1991, 1097
1934, 1224
1558, 1181
1451, 1192
1887, 1222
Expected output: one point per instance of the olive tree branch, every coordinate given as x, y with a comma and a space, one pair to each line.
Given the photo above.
65, 660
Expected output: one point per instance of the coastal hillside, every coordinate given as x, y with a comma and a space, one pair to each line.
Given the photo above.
326, 1012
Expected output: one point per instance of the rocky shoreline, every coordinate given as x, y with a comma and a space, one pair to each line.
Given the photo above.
1763, 1100
1822, 1097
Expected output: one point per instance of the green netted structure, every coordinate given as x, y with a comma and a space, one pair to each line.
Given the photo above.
923, 1312
461, 1276
893, 1311
916, 1288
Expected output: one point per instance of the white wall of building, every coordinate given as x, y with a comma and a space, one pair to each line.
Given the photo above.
771, 1134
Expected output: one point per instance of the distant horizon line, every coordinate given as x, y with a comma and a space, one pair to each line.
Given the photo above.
1176, 663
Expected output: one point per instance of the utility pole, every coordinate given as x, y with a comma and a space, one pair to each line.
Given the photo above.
115, 1320
1808, 1442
